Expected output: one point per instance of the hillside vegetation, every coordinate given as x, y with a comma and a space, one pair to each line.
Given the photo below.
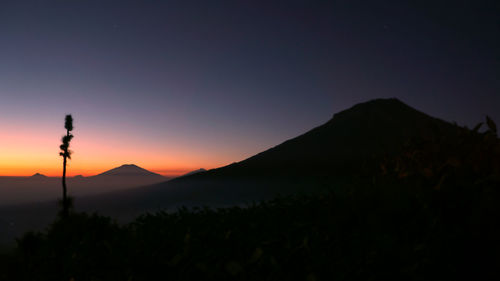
429, 212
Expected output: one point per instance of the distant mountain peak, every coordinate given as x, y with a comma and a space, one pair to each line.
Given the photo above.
128, 170
38, 175
129, 165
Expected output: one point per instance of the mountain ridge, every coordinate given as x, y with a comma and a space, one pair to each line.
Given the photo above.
365, 130
327, 157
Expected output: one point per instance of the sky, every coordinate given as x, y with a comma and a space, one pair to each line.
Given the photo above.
174, 86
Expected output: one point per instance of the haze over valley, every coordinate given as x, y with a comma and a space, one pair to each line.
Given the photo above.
40, 188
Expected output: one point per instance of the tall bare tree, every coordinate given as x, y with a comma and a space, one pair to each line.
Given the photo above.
66, 154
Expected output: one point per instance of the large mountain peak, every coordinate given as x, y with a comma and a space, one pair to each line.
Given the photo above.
365, 131
379, 108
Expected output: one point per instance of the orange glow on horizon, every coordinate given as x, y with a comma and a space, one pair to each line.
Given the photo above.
57, 172
28, 152
29, 146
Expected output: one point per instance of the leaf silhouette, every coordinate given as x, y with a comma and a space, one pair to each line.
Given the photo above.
477, 127
491, 125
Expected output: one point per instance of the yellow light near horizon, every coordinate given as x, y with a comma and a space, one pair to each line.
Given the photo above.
24, 156
25, 151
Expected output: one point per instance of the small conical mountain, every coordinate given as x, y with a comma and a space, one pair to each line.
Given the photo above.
128, 175
38, 176
129, 170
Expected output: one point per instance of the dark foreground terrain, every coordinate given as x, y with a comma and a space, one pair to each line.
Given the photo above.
430, 212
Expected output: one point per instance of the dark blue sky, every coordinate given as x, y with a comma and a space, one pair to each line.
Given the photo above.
235, 77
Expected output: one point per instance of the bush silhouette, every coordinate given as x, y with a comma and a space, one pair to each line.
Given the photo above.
429, 213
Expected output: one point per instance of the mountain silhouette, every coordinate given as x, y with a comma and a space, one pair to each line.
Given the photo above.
367, 130
193, 172
38, 176
38, 187
125, 176
129, 170
331, 155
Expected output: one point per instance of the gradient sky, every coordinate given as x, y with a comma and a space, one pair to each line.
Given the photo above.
174, 86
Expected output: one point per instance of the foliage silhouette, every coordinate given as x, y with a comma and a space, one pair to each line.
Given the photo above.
430, 213
66, 154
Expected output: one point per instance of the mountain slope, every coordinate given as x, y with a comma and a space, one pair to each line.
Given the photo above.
330, 155
367, 130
